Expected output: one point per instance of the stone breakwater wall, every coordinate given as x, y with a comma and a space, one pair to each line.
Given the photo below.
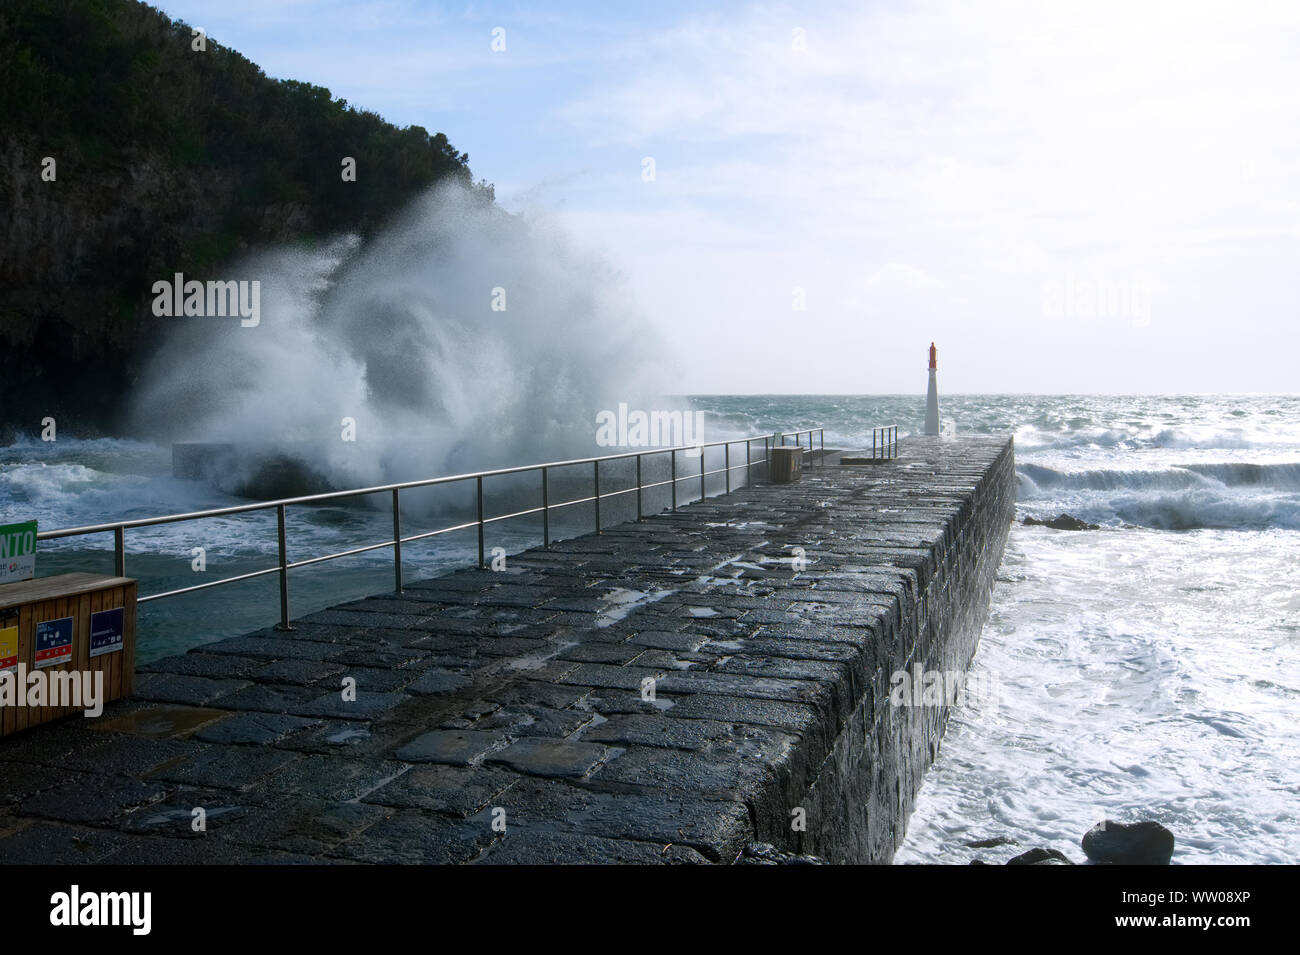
675, 690
928, 540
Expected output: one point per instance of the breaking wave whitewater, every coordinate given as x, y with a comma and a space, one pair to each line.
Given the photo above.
459, 338
1225, 495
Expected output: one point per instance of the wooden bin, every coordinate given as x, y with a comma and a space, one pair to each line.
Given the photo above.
80, 597
787, 462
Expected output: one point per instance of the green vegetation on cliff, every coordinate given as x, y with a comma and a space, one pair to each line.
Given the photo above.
167, 159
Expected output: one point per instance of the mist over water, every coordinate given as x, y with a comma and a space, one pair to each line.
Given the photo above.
400, 335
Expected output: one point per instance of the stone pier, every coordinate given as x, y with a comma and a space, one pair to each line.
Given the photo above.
684, 689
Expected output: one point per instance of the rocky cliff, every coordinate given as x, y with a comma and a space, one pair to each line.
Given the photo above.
128, 153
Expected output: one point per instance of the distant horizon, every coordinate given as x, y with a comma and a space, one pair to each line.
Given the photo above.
992, 394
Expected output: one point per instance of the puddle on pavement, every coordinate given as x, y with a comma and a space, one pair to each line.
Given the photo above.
347, 735
622, 602
707, 581
162, 721
538, 660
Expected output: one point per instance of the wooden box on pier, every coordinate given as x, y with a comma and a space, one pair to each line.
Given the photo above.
83, 623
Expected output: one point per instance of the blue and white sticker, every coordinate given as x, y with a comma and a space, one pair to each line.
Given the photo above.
106, 631
53, 642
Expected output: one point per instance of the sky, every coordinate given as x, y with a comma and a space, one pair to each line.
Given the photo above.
1066, 197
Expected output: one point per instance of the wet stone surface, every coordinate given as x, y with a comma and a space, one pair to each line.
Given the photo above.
663, 693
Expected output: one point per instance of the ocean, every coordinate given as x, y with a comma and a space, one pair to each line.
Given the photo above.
1148, 669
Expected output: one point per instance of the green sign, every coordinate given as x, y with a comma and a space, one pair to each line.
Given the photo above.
17, 552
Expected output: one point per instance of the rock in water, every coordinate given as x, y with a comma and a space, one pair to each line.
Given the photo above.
1063, 522
1041, 856
991, 843
1138, 843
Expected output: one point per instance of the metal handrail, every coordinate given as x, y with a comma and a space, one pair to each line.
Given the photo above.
820, 432
283, 565
886, 438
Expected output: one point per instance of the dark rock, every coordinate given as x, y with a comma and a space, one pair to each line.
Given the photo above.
764, 853
1041, 856
1062, 522
1138, 843
991, 843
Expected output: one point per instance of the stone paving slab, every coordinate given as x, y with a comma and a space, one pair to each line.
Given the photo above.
659, 693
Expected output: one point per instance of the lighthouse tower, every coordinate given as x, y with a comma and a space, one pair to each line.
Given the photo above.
932, 397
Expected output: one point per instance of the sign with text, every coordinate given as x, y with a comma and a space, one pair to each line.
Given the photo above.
106, 631
53, 642
17, 552
8, 642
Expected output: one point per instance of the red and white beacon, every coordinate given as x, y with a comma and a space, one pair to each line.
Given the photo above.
932, 395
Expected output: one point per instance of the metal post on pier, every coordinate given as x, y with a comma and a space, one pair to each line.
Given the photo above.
674, 478
481, 563
284, 570
397, 541
546, 511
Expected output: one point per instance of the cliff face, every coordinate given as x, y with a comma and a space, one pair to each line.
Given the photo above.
167, 159
77, 258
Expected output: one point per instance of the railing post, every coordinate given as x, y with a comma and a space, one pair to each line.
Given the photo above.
767, 458
595, 481
726, 464
749, 473
673, 482
479, 482
821, 436
119, 551
397, 540
638, 487
284, 570
873, 443
546, 511
701, 474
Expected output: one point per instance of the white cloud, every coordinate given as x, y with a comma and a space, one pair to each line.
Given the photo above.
962, 154
988, 147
